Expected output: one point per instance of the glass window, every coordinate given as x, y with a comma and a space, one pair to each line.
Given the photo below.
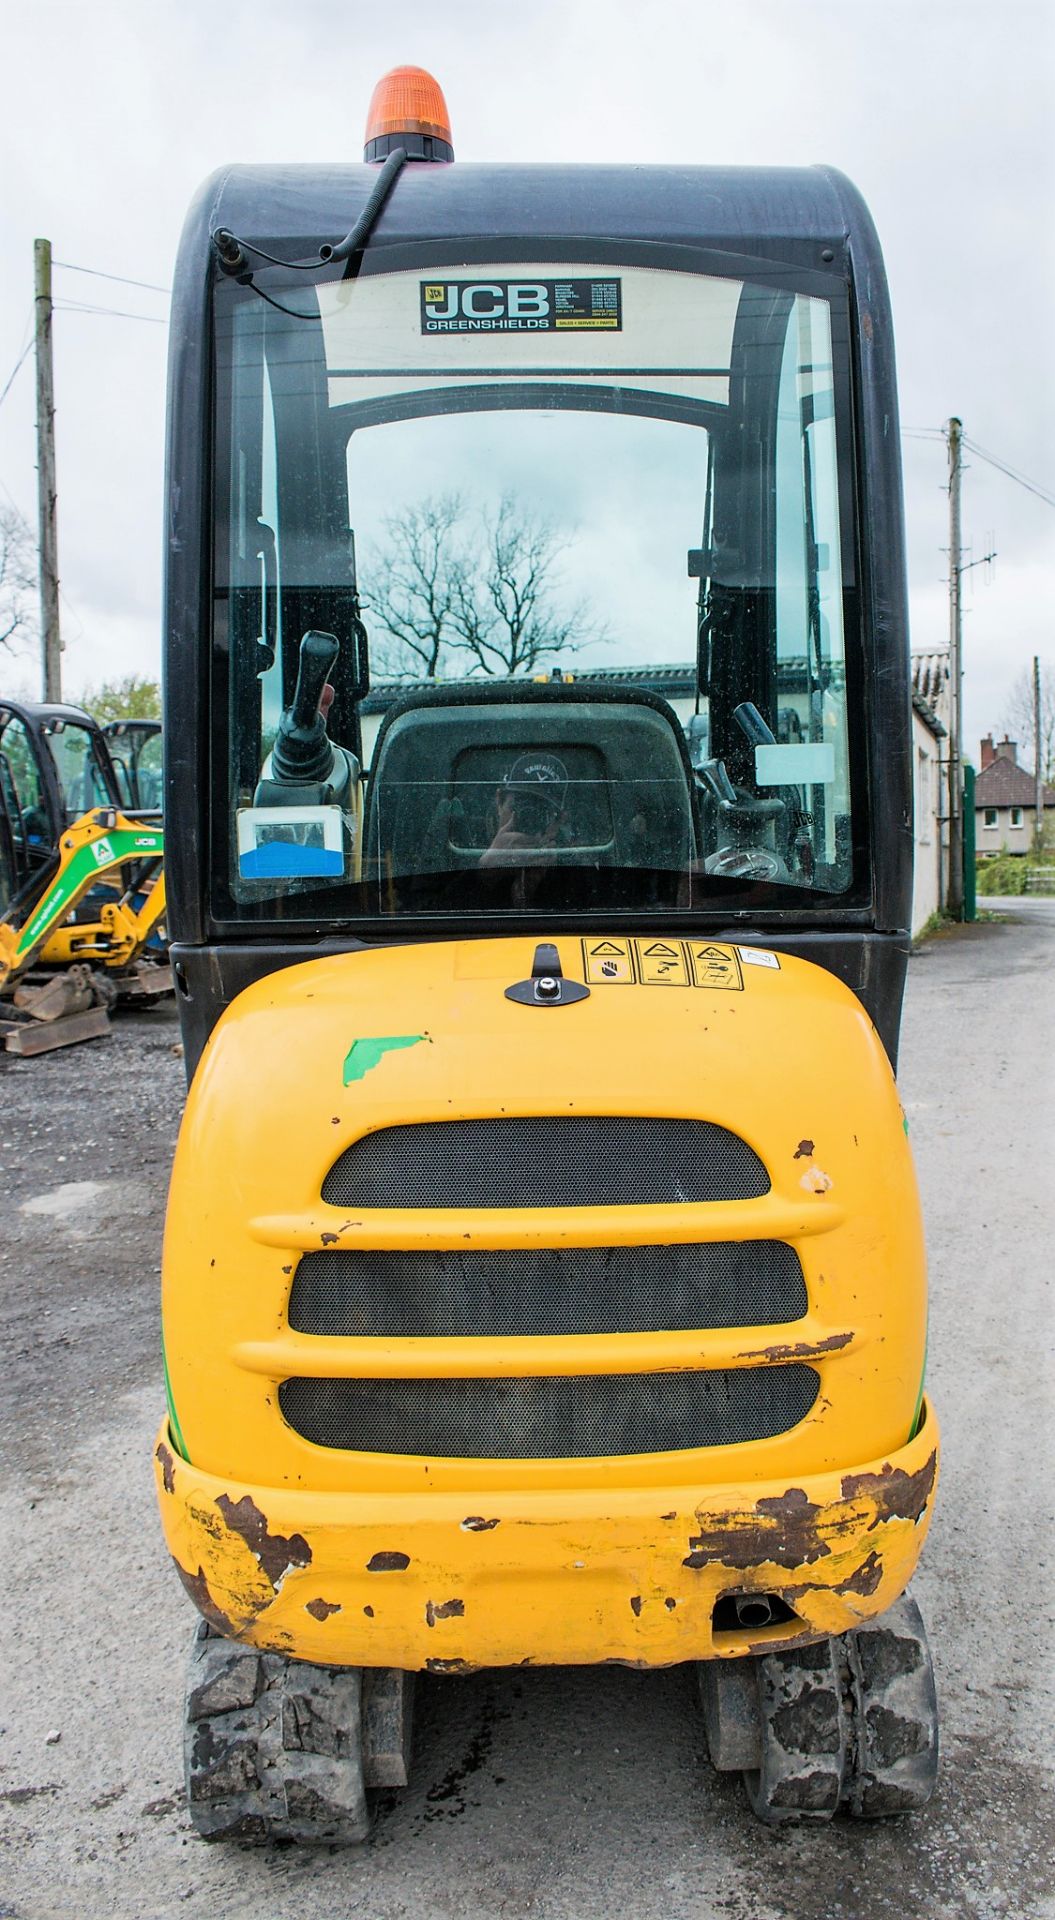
28, 831
1016, 816
79, 768
596, 523
989, 818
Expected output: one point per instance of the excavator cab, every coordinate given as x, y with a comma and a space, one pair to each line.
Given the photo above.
543, 1277
54, 766
135, 751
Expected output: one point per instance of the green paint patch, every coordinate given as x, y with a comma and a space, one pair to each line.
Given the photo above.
174, 1426
364, 1055
918, 1415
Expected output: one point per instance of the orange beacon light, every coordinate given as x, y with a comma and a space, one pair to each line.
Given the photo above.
408, 110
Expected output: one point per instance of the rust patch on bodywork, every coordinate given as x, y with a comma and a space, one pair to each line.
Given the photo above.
198, 1588
865, 1580
274, 1552
898, 1495
474, 1524
321, 1609
791, 1530
635, 1604
388, 1563
447, 1610
804, 1150
782, 1529
168, 1466
453, 1666
802, 1349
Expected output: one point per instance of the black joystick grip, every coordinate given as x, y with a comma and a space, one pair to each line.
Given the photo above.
302, 751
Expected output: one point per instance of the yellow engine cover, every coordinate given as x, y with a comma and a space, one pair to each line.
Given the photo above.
282, 1540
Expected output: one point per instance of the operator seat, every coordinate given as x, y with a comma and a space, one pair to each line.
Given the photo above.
441, 753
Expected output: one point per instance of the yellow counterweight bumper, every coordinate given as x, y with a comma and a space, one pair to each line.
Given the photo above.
628, 1574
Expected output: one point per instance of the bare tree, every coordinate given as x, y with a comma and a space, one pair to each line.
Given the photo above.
414, 591
484, 589
1019, 720
506, 610
18, 580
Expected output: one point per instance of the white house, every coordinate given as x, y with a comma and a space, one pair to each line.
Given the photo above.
927, 785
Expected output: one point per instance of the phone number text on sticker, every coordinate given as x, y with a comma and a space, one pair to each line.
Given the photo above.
520, 306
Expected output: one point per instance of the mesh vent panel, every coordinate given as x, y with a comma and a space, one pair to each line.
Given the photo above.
556, 1161
548, 1290
581, 1418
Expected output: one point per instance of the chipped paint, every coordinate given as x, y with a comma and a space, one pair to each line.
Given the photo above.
804, 1150
838, 1546
364, 1055
455, 1666
163, 1456
897, 1494
274, 1553
321, 1609
198, 1588
447, 1610
801, 1349
865, 1579
815, 1180
782, 1530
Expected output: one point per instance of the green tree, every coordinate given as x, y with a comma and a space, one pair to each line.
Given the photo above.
133, 697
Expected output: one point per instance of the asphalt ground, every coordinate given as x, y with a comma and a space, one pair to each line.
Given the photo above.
561, 1793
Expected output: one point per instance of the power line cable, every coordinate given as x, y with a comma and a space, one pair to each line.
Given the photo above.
14, 371
116, 313
120, 278
1002, 467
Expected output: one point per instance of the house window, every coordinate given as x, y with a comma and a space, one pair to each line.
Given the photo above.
989, 820
1016, 816
923, 799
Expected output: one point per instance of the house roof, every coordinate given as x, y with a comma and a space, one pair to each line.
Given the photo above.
928, 716
930, 679
1003, 784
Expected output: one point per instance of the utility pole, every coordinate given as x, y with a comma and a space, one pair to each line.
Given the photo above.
954, 896
48, 543
1038, 817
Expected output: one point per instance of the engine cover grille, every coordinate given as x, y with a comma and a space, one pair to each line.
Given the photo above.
441, 1294
555, 1418
570, 1160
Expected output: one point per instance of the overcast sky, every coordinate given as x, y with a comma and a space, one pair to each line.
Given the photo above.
940, 110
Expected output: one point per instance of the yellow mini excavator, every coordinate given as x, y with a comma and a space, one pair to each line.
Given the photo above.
544, 1275
44, 925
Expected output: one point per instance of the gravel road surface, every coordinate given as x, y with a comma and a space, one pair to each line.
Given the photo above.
562, 1794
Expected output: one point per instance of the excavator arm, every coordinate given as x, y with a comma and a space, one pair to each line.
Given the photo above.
97, 844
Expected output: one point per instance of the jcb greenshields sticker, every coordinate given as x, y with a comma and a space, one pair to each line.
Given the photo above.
520, 306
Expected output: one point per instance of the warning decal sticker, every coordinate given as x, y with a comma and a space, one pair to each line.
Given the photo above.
608, 963
520, 306
716, 967
662, 963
